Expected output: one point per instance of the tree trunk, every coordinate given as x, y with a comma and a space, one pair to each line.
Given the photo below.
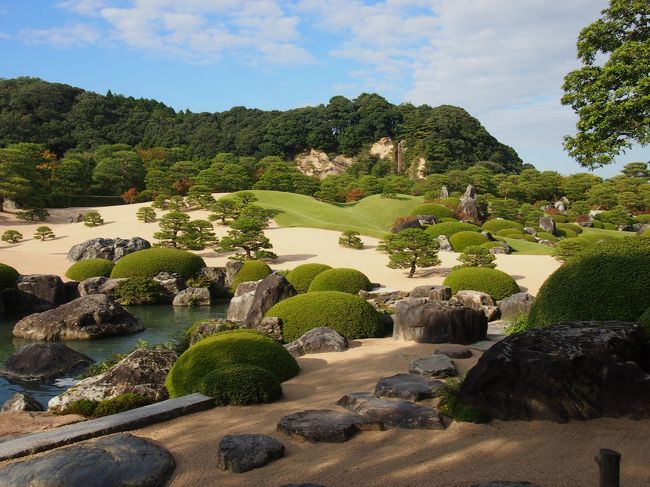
412, 269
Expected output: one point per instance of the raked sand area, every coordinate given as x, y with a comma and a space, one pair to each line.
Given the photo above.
549, 454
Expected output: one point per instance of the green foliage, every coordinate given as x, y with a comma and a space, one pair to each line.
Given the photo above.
547, 236
566, 233
508, 232
33, 214
86, 268
8, 276
597, 224
576, 290
452, 406
82, 407
340, 279
240, 385
644, 319
646, 233
137, 290
119, 404
497, 284
199, 281
350, 315
461, 240
12, 236
236, 347
449, 228
477, 256
150, 262
350, 239
409, 249
577, 229
439, 211
491, 245
301, 276
518, 323
146, 214
252, 270
44, 233
247, 234
93, 219
171, 226
567, 248
197, 235
645, 218
494, 226
103, 366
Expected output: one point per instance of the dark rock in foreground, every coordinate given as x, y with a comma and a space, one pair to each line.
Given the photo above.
241, 453
270, 291
21, 402
112, 461
44, 361
325, 425
39, 292
91, 316
318, 340
410, 387
574, 370
107, 248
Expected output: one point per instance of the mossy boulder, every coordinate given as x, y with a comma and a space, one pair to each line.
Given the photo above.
151, 262
606, 281
241, 384
341, 279
345, 313
87, 268
461, 240
227, 348
497, 284
252, 270
301, 277
449, 228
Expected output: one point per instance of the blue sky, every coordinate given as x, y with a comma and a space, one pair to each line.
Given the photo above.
502, 60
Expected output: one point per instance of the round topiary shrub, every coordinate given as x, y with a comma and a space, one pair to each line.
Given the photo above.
500, 224
491, 245
300, 277
350, 315
439, 211
449, 228
448, 220
607, 281
87, 268
507, 232
547, 236
341, 279
646, 233
566, 233
461, 240
242, 384
577, 229
235, 347
608, 226
8, 276
253, 270
497, 284
150, 262
597, 224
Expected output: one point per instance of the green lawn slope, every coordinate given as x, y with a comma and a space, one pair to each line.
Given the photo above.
372, 216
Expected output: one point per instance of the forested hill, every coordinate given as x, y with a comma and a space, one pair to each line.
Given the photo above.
64, 117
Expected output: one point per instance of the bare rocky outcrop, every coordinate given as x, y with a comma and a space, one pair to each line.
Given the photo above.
40, 292
270, 291
98, 285
218, 277
318, 163
384, 148
548, 225
468, 207
107, 248
431, 291
404, 223
92, 316
171, 284
193, 296
517, 304
43, 362
318, 340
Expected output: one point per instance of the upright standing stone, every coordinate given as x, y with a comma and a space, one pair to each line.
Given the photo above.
39, 292
548, 225
468, 207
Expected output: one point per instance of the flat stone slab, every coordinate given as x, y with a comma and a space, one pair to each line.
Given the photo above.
326, 425
410, 387
392, 412
241, 453
114, 461
128, 420
437, 365
483, 345
458, 352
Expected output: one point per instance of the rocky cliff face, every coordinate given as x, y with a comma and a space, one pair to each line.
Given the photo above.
318, 163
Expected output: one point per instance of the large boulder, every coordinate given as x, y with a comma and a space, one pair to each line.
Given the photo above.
98, 285
111, 461
430, 321
548, 225
43, 362
92, 316
21, 402
107, 248
217, 277
171, 284
270, 291
516, 304
431, 291
444, 243
468, 207
318, 340
574, 370
410, 387
239, 306
193, 296
316, 425
404, 223
39, 292
141, 372
241, 453
232, 268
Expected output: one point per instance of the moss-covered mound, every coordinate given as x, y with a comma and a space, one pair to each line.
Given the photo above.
497, 284
547, 236
242, 384
301, 276
253, 270
577, 229
449, 228
607, 281
506, 232
87, 268
461, 240
150, 262
496, 225
439, 211
8, 276
236, 347
350, 315
491, 245
646, 233
341, 279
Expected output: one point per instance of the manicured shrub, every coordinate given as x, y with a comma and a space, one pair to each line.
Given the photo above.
150, 262
491, 245
476, 256
87, 268
300, 277
452, 406
607, 281
44, 233
137, 290
241, 384
577, 229
448, 220
521, 236
236, 347
597, 224
350, 315
83, 407
439, 211
501, 224
341, 279
506, 232
146, 214
547, 236
8, 276
252, 270
497, 284
119, 404
643, 218
609, 226
646, 233
461, 240
350, 239
93, 219
570, 247
12, 236
449, 228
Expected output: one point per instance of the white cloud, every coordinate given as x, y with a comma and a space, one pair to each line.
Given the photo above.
83, 7
4, 35
61, 37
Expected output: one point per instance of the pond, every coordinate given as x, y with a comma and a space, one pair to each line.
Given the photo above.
163, 323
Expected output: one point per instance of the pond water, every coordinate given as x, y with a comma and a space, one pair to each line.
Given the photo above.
162, 324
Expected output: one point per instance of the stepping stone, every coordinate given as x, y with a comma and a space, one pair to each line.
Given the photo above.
326, 425
241, 453
462, 352
111, 461
395, 413
410, 387
483, 346
437, 365
505, 483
